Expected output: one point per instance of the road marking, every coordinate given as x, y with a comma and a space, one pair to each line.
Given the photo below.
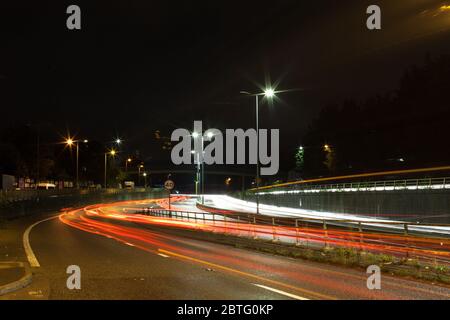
287, 294
249, 275
34, 263
163, 255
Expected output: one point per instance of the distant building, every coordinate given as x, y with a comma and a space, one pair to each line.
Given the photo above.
8, 182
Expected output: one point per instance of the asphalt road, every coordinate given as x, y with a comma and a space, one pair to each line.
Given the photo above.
126, 261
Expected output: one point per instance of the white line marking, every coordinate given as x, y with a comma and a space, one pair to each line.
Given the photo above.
163, 255
290, 295
26, 244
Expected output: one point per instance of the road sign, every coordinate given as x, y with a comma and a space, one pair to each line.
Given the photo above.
169, 184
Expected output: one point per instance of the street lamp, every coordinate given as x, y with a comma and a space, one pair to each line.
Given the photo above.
112, 153
145, 179
268, 93
200, 167
201, 163
196, 173
126, 164
141, 166
70, 142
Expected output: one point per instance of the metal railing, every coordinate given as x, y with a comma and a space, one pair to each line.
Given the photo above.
397, 238
383, 185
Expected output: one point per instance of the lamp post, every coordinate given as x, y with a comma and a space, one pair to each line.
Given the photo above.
112, 153
70, 142
197, 173
145, 179
141, 166
201, 163
126, 164
268, 93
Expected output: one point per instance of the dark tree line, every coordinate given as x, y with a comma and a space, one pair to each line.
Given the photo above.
407, 128
30, 151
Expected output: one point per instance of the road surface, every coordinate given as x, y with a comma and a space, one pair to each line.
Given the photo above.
124, 260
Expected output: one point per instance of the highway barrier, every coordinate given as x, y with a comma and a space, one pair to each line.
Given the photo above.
425, 200
396, 238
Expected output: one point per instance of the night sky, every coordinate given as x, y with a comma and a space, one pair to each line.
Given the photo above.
140, 66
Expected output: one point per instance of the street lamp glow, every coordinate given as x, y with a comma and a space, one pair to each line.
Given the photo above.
118, 141
113, 152
269, 93
144, 174
69, 141
129, 159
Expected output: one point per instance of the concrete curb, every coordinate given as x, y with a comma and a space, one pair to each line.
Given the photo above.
18, 284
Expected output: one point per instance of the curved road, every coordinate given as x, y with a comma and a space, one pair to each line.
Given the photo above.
120, 259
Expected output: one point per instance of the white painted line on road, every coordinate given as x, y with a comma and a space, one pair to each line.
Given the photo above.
290, 295
163, 255
34, 263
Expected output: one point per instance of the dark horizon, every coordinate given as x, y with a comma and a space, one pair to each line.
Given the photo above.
139, 68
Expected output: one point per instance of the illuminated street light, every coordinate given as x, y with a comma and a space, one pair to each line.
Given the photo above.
112, 153
126, 163
70, 142
268, 93
118, 141
145, 179
197, 175
140, 167
200, 166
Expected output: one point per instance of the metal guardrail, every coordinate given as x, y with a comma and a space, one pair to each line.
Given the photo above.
383, 185
321, 232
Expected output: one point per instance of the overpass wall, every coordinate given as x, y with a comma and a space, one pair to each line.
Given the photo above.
420, 205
